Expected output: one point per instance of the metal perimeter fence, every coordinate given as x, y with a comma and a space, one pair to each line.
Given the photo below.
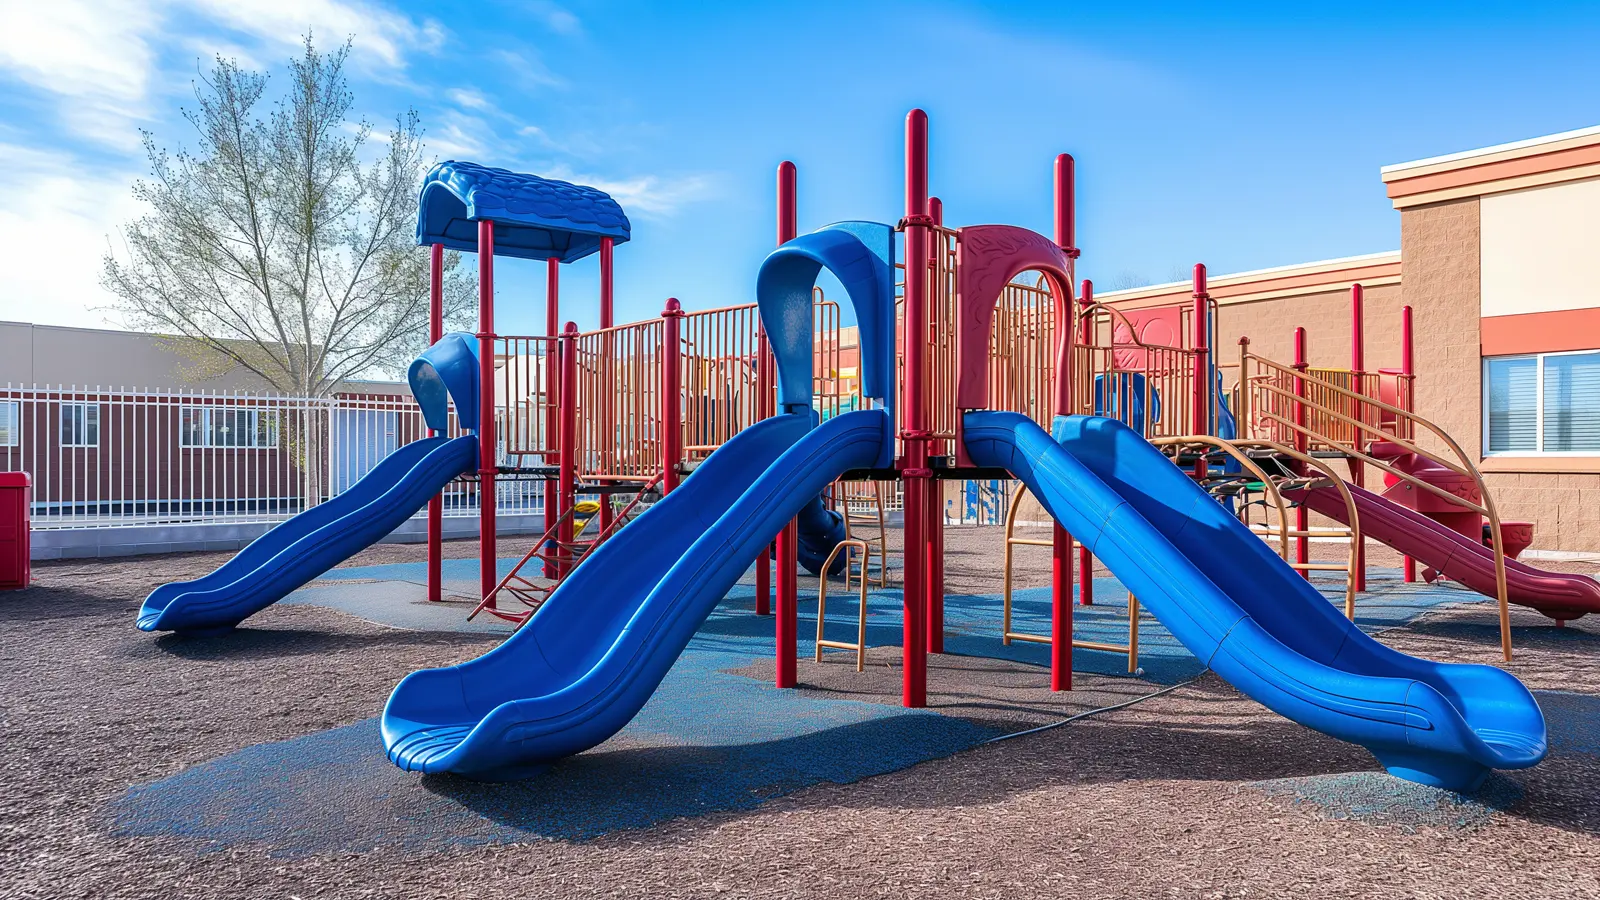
102, 457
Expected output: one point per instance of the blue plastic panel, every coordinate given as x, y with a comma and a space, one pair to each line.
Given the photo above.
535, 218
1255, 621
447, 371
860, 255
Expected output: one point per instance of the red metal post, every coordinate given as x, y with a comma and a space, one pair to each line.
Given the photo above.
787, 627
1358, 370
606, 245
608, 355
671, 391
1201, 344
1060, 539
1085, 557
552, 418
935, 532
914, 472
436, 502
1302, 518
487, 575
568, 479
1407, 401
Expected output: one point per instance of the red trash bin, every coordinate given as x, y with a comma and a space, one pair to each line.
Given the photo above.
14, 506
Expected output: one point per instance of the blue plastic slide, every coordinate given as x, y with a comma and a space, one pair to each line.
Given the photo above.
1242, 610
303, 547
587, 661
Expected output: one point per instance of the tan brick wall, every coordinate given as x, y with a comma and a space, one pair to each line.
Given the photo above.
1270, 325
1441, 246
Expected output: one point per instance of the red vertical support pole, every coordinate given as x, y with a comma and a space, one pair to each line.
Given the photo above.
1200, 343
1060, 540
914, 471
787, 627
606, 247
1408, 401
935, 527
671, 391
1085, 557
552, 415
436, 502
1358, 370
568, 481
487, 574
1302, 518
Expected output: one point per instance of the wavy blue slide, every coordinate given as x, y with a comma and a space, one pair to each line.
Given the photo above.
303, 547
1243, 611
585, 664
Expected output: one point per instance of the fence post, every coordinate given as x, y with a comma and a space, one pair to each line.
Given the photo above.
671, 393
568, 477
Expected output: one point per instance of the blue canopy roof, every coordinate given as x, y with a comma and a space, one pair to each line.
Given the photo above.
535, 218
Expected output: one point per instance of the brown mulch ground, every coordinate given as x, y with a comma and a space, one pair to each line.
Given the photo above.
1156, 800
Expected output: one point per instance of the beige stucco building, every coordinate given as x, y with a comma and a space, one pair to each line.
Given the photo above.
1495, 259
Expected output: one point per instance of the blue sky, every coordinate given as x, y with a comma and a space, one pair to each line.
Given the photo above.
1242, 137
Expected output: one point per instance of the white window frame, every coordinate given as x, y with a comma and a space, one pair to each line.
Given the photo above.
1538, 425
205, 413
12, 436
91, 423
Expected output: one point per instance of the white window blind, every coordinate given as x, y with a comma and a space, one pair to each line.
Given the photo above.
1547, 403
10, 424
1513, 404
1572, 403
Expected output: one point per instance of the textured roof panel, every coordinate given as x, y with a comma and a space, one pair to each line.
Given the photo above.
535, 218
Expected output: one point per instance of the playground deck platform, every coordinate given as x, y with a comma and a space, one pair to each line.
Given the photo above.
250, 765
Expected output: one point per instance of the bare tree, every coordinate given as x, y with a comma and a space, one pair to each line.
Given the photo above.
283, 244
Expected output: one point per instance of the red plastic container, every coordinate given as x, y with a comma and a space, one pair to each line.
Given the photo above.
14, 505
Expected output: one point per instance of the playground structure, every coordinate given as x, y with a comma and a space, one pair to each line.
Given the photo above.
964, 360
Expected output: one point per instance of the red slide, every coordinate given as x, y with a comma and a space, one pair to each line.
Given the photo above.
1557, 595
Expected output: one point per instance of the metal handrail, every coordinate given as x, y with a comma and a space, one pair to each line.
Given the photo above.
1354, 528
1130, 649
1464, 467
860, 646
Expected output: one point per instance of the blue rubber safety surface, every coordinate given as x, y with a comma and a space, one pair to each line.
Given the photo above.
706, 741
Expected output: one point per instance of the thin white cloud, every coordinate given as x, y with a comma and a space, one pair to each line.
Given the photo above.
467, 98
97, 55
57, 215
101, 56
650, 195
557, 18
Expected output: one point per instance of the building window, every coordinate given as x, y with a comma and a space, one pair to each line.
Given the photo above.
248, 428
80, 424
1547, 403
10, 423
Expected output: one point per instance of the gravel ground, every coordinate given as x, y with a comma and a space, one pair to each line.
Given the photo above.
1190, 794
